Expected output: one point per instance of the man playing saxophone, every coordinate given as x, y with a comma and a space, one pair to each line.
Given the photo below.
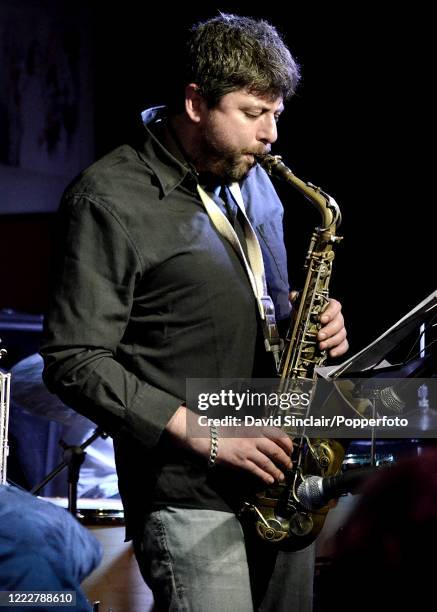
158, 280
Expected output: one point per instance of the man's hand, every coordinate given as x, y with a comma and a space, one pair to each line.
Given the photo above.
265, 455
332, 334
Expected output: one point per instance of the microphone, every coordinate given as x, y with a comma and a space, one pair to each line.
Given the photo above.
394, 398
402, 393
391, 400
316, 491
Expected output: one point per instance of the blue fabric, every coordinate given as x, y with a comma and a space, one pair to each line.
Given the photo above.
201, 560
265, 213
42, 547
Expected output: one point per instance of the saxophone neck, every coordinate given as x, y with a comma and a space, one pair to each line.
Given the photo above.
323, 202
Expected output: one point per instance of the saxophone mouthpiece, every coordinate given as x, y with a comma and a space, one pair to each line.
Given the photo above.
268, 162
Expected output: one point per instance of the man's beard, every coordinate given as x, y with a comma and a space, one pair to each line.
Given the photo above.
227, 164
236, 167
229, 167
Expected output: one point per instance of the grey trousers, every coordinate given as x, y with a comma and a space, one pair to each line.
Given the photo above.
201, 561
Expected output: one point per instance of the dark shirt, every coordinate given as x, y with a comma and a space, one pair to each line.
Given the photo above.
147, 294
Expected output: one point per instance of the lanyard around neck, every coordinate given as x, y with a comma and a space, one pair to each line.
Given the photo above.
253, 263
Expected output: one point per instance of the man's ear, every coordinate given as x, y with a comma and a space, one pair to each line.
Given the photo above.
195, 104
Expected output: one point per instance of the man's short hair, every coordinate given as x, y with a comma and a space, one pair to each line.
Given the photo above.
228, 52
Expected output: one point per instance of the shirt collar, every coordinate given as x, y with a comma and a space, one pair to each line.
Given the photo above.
169, 171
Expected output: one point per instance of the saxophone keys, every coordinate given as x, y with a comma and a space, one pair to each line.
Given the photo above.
301, 524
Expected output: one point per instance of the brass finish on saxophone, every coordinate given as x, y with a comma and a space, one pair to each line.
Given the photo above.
279, 514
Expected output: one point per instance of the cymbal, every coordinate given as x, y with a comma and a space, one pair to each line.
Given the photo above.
29, 392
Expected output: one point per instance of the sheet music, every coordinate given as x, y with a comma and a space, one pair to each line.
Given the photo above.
379, 348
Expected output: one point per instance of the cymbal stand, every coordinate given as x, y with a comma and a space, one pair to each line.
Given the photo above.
74, 456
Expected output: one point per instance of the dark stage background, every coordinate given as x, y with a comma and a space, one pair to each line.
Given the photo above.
359, 127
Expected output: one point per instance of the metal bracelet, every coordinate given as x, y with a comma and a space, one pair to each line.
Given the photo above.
214, 446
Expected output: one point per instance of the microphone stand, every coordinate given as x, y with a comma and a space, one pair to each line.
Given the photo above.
73, 458
373, 439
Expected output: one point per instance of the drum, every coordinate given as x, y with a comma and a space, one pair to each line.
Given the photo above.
116, 583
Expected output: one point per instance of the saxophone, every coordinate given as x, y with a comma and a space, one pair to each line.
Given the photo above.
280, 514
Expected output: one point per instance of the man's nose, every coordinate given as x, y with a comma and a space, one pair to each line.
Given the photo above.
268, 132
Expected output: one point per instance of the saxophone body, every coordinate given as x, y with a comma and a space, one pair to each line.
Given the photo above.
280, 515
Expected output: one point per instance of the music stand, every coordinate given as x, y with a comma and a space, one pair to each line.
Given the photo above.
376, 351
370, 363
